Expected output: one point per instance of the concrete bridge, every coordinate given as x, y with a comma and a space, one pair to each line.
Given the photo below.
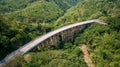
53, 38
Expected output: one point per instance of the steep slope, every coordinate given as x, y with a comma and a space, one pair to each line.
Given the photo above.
65, 4
42, 11
68, 57
89, 10
13, 5
102, 41
25, 20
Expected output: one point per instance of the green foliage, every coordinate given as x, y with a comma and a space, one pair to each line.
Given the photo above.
56, 58
114, 23
13, 5
22, 21
77, 52
67, 45
41, 11
65, 4
89, 9
103, 42
37, 12
17, 61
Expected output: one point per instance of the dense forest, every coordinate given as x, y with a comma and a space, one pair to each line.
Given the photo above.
32, 18
22, 21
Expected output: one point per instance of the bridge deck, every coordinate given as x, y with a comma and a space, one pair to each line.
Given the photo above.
27, 47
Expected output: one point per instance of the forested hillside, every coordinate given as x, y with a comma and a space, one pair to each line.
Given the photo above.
13, 5
103, 41
21, 21
90, 10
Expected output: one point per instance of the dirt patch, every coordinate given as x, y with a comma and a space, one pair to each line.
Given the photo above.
27, 57
87, 56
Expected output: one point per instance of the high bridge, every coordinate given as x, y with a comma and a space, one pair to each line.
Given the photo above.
53, 38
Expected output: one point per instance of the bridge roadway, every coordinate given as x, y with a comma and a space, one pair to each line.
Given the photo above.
27, 47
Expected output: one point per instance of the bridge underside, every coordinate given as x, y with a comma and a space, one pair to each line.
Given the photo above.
57, 41
53, 39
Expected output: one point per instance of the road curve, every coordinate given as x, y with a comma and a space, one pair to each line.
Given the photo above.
27, 47
40, 39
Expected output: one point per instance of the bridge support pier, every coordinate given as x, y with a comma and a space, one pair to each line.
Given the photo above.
59, 39
53, 41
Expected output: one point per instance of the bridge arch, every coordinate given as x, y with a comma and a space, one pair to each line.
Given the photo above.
67, 33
